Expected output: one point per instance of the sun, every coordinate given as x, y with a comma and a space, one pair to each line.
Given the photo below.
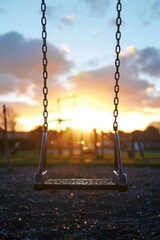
85, 118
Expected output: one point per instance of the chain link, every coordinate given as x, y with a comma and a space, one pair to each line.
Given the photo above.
44, 63
117, 65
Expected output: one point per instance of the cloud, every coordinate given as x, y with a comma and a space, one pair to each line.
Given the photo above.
149, 61
21, 69
52, 12
20, 59
130, 52
65, 48
68, 19
91, 87
7, 83
96, 87
97, 7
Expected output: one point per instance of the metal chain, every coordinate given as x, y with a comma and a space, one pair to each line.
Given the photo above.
117, 65
44, 63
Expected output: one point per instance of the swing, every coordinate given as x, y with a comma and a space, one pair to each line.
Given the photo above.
119, 180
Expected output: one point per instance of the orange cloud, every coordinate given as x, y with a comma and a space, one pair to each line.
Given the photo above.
96, 86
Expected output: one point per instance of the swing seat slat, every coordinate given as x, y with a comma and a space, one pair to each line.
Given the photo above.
80, 184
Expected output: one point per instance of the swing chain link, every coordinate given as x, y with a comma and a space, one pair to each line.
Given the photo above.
117, 65
44, 63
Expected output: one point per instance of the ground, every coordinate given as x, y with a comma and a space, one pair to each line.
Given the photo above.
79, 215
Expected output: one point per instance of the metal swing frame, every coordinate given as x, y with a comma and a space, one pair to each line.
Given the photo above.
119, 180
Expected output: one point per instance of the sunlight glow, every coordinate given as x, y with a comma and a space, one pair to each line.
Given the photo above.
131, 121
28, 124
87, 119
84, 118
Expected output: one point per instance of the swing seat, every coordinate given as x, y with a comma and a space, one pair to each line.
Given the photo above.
117, 183
119, 180
80, 184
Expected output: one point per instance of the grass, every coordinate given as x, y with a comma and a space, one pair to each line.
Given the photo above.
30, 158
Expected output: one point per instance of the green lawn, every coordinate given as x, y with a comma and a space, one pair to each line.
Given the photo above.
31, 159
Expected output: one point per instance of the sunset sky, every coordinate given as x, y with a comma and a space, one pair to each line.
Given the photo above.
81, 53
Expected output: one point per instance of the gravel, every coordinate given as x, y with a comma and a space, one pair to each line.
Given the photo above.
79, 215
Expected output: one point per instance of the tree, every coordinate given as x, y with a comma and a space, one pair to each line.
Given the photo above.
35, 136
155, 125
151, 134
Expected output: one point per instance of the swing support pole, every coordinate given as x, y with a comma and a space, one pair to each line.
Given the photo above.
118, 175
39, 176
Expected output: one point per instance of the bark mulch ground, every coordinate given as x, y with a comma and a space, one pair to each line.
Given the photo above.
80, 215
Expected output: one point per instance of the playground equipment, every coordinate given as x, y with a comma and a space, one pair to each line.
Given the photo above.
119, 180
60, 120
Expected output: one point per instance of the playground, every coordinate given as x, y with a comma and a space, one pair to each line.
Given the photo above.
90, 194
